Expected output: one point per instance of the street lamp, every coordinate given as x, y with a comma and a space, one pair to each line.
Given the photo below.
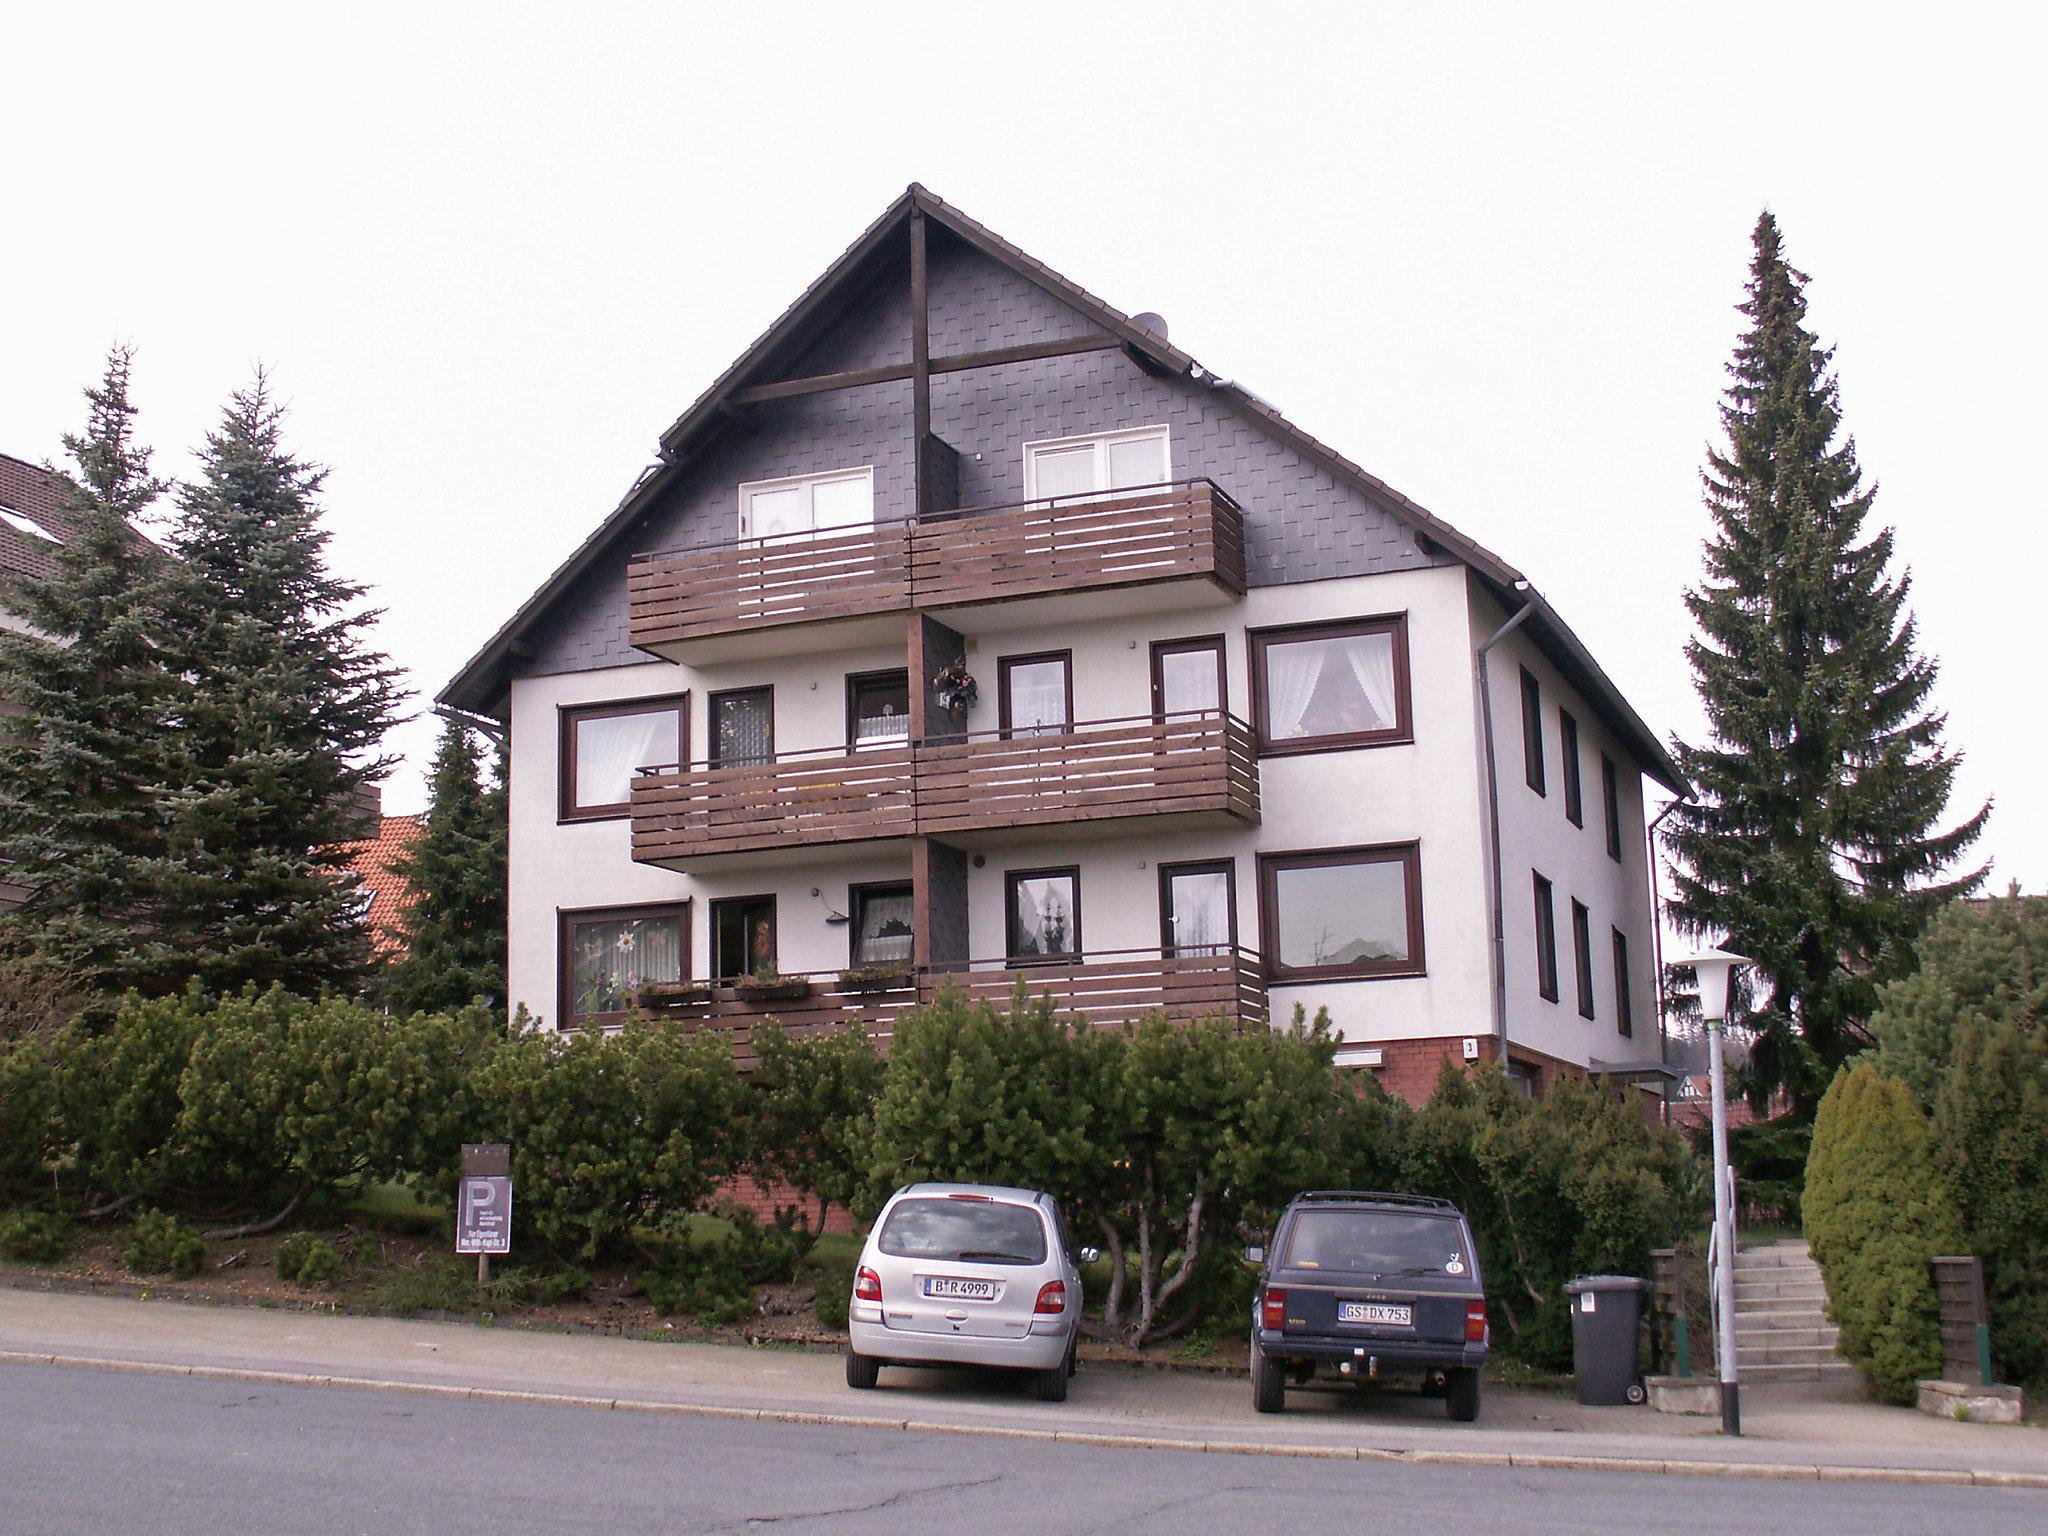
1715, 969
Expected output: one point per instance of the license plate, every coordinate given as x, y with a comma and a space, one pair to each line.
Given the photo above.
1374, 1312
959, 1290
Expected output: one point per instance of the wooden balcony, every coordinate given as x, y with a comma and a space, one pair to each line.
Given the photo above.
1108, 989
1195, 768
682, 600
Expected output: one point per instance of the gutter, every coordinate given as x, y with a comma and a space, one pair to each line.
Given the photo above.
1500, 943
1657, 944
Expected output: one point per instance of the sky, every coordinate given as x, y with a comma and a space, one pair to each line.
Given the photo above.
1491, 253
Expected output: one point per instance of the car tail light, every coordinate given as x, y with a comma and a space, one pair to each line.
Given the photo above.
1052, 1298
1273, 1314
867, 1285
957, 1195
1475, 1322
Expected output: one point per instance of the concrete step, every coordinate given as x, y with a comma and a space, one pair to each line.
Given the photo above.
1785, 1354
1766, 1305
1834, 1370
1779, 1290
1773, 1256
1818, 1336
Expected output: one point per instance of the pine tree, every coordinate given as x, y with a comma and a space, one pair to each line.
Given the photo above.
282, 708
455, 928
1813, 844
80, 812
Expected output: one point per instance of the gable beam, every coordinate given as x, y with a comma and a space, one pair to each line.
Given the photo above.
959, 362
920, 363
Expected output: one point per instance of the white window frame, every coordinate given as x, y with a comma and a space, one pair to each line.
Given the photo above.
1101, 442
806, 484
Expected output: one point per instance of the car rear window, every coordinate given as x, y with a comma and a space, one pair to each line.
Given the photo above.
1378, 1242
965, 1231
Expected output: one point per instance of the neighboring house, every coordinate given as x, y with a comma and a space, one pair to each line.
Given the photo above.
386, 894
32, 528
972, 630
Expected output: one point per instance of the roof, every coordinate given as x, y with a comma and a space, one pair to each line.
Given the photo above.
36, 496
480, 686
374, 860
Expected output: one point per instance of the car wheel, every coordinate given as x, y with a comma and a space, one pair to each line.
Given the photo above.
1269, 1383
1052, 1383
1461, 1394
862, 1371
1074, 1354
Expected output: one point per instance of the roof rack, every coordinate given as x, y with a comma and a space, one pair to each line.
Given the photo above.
1376, 1197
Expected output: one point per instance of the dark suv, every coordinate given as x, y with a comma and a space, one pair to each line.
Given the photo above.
1366, 1287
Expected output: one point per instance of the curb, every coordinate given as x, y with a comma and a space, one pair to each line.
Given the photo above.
1523, 1461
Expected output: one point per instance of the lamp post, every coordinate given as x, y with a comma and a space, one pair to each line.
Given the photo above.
1715, 968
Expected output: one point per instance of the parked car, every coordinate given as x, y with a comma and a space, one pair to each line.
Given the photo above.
968, 1274
1369, 1287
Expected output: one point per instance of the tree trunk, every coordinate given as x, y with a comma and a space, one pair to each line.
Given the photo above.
257, 1228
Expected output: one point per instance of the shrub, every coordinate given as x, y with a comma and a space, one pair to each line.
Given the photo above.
305, 1259
35, 1237
833, 1301
117, 1097
28, 1119
811, 1106
698, 1277
1877, 1210
163, 1245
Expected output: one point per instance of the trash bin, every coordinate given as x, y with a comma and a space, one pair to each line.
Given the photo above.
1607, 1315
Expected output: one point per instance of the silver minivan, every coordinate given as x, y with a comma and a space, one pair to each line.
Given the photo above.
967, 1274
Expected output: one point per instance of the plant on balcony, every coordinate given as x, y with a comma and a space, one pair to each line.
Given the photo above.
875, 978
669, 994
955, 689
768, 985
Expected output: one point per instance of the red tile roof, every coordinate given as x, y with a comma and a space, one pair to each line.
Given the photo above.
373, 859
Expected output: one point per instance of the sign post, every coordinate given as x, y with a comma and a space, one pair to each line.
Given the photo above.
483, 1207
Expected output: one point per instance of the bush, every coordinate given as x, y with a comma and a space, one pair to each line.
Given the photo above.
163, 1245
28, 1120
811, 1106
117, 1097
35, 1237
698, 1277
1978, 963
304, 1259
833, 1301
1877, 1211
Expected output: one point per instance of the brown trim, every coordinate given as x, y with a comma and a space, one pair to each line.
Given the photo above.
893, 373
1161, 649
1224, 867
774, 932
1532, 733
1610, 802
1574, 786
1403, 730
1582, 956
1027, 658
879, 674
711, 702
1407, 855
1624, 1004
568, 919
859, 891
1010, 879
567, 718
1546, 938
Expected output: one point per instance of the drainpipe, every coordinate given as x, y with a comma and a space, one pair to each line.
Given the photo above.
1500, 943
1657, 947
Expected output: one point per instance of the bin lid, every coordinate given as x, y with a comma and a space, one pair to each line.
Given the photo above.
1586, 1283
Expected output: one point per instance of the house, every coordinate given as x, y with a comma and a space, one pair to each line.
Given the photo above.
968, 629
386, 893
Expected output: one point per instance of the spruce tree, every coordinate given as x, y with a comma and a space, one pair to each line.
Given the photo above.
80, 765
282, 708
455, 927
1814, 845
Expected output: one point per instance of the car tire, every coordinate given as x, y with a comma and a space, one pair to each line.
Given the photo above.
1461, 1394
1269, 1382
1052, 1383
1074, 1355
862, 1371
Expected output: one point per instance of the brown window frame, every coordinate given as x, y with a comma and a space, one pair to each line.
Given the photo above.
1161, 649
568, 716
1582, 956
858, 893
853, 685
1402, 733
1011, 959
1610, 798
1546, 938
1574, 786
1224, 867
1027, 658
1532, 734
568, 919
774, 932
1408, 855
1624, 1004
711, 703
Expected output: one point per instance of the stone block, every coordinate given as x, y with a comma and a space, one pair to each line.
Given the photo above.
1685, 1394
1976, 1405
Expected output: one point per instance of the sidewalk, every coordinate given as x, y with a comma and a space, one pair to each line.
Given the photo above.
1790, 1432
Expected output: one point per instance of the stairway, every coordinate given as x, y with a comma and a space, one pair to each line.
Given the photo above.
1782, 1332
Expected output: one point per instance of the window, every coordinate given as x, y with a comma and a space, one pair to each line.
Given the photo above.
1086, 466
841, 501
1187, 677
1610, 800
1037, 693
742, 728
743, 937
1582, 956
1532, 732
1624, 1005
1043, 908
1342, 913
881, 925
1197, 908
1568, 744
1320, 687
1546, 943
607, 955
604, 744
877, 708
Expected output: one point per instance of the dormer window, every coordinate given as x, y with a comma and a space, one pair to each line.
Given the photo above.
831, 503
1089, 466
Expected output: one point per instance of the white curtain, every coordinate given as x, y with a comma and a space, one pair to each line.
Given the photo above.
1201, 914
1372, 663
1038, 698
1292, 672
610, 747
612, 959
885, 932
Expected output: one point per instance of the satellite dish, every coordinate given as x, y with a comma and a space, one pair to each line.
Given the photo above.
1150, 321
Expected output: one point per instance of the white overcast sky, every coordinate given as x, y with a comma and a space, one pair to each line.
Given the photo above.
1490, 252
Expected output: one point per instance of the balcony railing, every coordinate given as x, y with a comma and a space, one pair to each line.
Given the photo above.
1184, 529
1202, 765
1108, 988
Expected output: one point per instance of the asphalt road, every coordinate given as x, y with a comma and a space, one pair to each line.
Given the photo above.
95, 1451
